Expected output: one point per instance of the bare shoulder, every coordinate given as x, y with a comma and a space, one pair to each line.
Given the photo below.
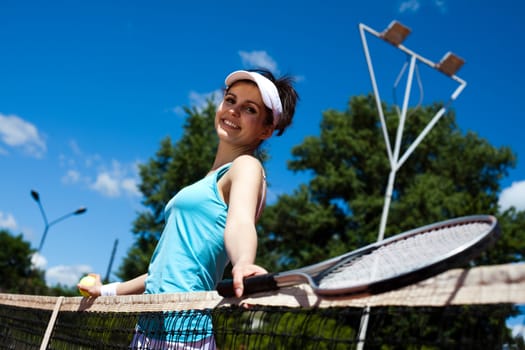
246, 165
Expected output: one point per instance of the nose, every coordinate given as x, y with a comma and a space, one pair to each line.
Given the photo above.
235, 110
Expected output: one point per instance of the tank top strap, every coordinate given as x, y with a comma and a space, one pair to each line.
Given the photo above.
222, 170
262, 202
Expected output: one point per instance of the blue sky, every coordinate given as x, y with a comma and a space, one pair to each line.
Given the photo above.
89, 89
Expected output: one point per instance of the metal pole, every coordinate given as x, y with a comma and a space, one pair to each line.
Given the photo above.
46, 229
395, 164
48, 224
394, 156
106, 279
43, 239
362, 27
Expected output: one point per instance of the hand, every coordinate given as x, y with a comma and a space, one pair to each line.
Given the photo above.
94, 290
240, 271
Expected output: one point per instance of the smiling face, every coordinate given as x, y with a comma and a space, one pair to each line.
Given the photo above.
241, 117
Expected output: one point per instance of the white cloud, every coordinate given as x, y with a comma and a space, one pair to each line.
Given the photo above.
74, 147
66, 275
130, 186
518, 330
513, 196
7, 221
177, 110
200, 100
414, 6
71, 177
258, 59
116, 181
61, 274
113, 180
409, 6
441, 5
252, 59
92, 160
18, 133
107, 185
38, 261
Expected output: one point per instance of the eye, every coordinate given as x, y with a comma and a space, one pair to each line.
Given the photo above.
229, 99
250, 110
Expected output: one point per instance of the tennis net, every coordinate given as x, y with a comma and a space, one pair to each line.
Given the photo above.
458, 309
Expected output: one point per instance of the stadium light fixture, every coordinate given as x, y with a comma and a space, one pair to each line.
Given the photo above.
450, 64
395, 34
36, 196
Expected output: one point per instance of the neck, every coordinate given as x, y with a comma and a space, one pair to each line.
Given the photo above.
227, 154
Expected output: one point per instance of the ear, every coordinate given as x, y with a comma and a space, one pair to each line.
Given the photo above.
267, 132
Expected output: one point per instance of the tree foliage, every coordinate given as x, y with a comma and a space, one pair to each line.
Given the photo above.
449, 175
17, 274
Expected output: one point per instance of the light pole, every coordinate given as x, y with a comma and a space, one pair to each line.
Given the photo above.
47, 223
108, 272
395, 34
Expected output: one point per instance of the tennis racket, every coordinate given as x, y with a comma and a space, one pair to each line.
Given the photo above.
392, 263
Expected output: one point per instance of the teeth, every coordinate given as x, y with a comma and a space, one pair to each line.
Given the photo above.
229, 123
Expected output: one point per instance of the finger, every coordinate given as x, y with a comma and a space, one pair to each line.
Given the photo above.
238, 286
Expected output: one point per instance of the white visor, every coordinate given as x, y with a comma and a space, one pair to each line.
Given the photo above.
268, 90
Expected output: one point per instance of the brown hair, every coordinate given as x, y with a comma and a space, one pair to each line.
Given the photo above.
288, 96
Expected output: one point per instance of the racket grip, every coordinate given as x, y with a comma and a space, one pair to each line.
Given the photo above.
253, 284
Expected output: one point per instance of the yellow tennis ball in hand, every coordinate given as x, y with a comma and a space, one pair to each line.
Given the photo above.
86, 281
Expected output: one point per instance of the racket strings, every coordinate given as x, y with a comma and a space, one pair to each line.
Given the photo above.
402, 256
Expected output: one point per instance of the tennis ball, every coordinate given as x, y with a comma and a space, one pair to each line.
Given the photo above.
87, 281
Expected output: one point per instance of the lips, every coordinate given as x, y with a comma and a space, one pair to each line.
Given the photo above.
230, 124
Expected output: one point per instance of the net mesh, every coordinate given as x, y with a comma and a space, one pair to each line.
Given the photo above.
460, 309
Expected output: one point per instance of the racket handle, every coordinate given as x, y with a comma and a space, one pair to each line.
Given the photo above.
253, 284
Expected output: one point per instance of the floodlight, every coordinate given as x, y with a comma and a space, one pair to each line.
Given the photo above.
450, 64
396, 33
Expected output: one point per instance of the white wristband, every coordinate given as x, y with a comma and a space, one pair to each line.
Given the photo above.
109, 290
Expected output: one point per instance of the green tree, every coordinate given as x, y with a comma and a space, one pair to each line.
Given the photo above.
173, 167
17, 274
449, 175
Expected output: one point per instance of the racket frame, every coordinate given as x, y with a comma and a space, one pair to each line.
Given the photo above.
312, 274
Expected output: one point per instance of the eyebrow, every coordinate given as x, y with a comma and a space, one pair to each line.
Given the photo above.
250, 101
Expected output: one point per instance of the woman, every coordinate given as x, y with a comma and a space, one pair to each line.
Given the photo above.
213, 220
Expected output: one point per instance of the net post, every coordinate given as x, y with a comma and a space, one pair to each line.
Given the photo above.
51, 323
363, 327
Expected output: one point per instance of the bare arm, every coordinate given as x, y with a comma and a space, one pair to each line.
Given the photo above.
134, 286
240, 236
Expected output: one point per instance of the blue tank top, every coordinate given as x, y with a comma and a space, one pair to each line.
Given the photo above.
191, 255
